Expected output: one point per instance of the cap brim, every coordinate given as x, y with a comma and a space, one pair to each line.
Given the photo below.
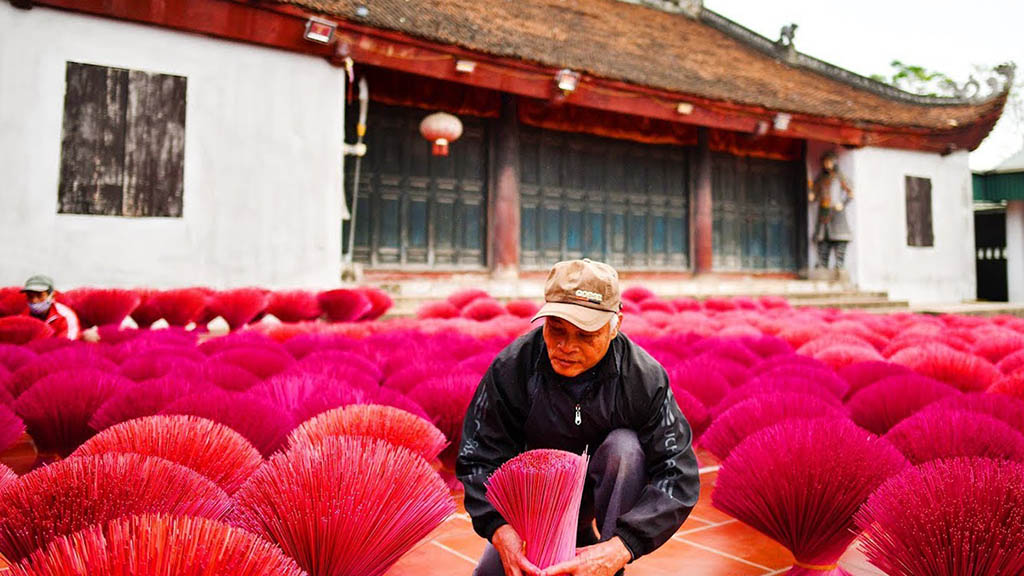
36, 288
586, 319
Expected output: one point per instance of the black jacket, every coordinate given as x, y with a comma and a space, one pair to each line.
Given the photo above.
522, 404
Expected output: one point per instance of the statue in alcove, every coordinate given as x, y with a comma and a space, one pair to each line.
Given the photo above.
831, 191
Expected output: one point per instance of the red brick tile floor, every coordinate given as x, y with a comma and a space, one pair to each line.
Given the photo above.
710, 543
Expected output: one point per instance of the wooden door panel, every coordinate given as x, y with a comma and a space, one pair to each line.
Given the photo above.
420, 209
755, 203
621, 202
92, 167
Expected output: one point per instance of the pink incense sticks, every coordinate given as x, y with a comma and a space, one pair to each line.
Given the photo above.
539, 494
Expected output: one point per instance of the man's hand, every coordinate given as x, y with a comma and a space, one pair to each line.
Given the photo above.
839, 207
510, 547
811, 197
604, 559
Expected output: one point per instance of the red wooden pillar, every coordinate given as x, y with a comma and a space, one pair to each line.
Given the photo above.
505, 222
702, 219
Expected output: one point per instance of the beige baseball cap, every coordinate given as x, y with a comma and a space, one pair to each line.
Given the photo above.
583, 292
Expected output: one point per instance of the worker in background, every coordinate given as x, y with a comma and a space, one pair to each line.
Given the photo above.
38, 293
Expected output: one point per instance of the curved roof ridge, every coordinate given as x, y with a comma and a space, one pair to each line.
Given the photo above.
683, 49
788, 55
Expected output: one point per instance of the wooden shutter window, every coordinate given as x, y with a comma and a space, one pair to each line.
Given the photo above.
919, 212
92, 147
620, 202
154, 150
123, 143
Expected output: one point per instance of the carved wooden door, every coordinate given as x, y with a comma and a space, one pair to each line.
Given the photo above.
620, 202
755, 203
417, 210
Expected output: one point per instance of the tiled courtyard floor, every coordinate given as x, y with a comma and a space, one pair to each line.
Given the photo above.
710, 543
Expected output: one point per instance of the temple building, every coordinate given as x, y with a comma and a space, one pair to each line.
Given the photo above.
205, 139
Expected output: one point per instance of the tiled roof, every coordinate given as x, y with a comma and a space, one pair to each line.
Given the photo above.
707, 56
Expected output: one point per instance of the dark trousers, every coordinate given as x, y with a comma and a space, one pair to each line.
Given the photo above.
825, 246
615, 478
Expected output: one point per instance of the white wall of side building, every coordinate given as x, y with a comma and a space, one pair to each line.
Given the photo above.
1015, 250
262, 162
880, 257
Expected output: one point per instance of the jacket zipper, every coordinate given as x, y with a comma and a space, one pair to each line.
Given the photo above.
579, 416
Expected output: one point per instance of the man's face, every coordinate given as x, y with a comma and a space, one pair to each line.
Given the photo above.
829, 164
573, 351
36, 297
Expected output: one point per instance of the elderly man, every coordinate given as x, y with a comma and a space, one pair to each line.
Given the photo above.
38, 293
575, 383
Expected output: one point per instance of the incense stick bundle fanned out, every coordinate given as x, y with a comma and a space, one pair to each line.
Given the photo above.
538, 493
211, 449
6, 476
348, 506
385, 422
76, 493
102, 306
948, 518
11, 428
801, 481
239, 306
23, 329
160, 545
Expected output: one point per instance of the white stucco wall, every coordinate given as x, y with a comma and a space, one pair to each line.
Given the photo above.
263, 135
879, 259
1015, 250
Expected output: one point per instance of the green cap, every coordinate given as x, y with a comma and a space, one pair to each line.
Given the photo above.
38, 283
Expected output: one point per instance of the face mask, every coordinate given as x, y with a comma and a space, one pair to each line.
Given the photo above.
40, 308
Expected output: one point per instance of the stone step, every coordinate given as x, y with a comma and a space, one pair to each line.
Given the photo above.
404, 307
973, 309
409, 293
795, 298
419, 290
852, 302
533, 287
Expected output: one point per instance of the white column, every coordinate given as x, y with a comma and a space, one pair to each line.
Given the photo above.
1015, 250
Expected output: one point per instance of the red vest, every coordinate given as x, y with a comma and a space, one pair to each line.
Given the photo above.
62, 320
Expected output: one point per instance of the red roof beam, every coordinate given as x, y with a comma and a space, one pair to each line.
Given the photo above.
224, 19
282, 26
401, 52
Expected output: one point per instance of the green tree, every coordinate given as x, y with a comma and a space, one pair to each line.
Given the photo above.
918, 80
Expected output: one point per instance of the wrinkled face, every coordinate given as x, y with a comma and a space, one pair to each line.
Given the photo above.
36, 297
573, 351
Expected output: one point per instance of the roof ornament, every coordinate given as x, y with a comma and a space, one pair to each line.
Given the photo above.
999, 79
784, 45
1008, 71
690, 8
968, 90
787, 34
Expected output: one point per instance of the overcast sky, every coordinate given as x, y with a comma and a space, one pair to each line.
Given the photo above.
866, 35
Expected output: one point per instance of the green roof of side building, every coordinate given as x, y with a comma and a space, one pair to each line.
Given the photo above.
1005, 182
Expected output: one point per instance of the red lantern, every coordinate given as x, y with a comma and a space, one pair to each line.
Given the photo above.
441, 129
